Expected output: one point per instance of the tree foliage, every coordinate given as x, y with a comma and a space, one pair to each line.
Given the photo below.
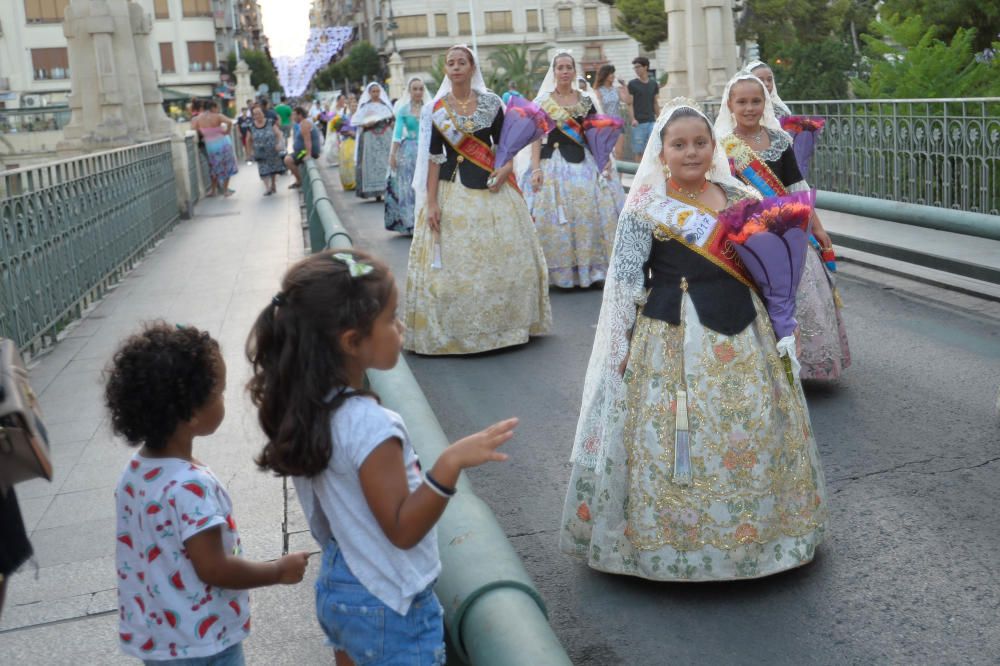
909, 61
361, 62
261, 68
645, 21
816, 70
944, 18
519, 64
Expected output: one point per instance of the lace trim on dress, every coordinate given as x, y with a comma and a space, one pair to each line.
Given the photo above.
780, 141
487, 106
439, 159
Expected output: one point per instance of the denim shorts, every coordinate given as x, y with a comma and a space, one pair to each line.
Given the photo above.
640, 137
356, 622
231, 656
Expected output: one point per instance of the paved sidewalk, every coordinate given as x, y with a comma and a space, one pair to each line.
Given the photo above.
215, 271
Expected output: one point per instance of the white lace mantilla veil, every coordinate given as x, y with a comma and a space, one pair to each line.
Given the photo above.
725, 122
404, 100
602, 412
424, 143
372, 112
779, 106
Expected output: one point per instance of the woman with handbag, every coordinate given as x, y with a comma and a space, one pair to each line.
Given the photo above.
264, 142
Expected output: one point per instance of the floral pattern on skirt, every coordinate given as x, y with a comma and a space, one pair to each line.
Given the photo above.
399, 195
576, 215
374, 144
346, 167
265, 151
221, 158
757, 501
491, 289
825, 353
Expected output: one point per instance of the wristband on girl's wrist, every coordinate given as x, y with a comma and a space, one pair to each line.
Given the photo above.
442, 490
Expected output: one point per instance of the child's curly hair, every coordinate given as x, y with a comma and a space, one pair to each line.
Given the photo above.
157, 380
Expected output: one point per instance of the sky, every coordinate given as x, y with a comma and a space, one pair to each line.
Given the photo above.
286, 24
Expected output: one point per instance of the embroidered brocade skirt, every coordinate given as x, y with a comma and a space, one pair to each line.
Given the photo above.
825, 353
399, 195
756, 504
576, 215
346, 168
491, 290
374, 145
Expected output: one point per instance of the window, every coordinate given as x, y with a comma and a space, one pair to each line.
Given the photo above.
44, 11
167, 58
534, 25
464, 27
201, 57
593, 54
590, 20
160, 9
50, 63
566, 20
499, 22
411, 26
440, 24
194, 8
418, 64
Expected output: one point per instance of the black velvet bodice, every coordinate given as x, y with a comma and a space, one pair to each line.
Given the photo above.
570, 150
470, 175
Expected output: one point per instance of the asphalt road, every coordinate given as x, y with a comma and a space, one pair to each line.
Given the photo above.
910, 443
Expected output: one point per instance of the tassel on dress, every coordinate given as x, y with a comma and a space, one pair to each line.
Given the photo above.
682, 442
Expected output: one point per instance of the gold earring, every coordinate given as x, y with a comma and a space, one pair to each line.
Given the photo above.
665, 169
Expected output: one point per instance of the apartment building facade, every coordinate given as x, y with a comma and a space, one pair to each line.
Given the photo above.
190, 39
422, 29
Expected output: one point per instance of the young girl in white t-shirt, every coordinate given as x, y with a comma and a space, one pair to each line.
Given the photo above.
367, 502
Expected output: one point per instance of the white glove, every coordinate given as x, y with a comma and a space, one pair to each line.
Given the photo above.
786, 347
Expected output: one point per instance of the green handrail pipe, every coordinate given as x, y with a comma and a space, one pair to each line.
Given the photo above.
494, 614
980, 225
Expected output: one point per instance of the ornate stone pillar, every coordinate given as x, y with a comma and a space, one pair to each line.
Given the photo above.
701, 48
244, 89
157, 123
397, 76
677, 65
720, 32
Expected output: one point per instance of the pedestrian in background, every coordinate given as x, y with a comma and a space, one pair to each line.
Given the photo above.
181, 579
373, 120
366, 501
645, 105
265, 144
305, 144
15, 548
284, 113
214, 129
399, 195
511, 92
615, 99
347, 135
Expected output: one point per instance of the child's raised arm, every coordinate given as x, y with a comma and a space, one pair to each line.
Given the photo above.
407, 517
217, 567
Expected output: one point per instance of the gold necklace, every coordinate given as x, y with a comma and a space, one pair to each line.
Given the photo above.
463, 107
756, 138
687, 194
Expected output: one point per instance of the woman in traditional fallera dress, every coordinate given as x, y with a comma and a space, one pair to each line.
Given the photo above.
348, 146
373, 121
694, 458
763, 71
399, 195
762, 156
575, 212
476, 279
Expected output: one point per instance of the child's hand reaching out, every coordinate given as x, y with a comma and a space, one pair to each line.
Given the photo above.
292, 567
481, 447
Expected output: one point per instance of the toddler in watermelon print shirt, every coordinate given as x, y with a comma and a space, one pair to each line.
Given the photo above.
181, 581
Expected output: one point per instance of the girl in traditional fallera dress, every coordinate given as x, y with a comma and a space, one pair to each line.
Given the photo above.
575, 212
477, 279
694, 459
399, 196
762, 71
761, 155
373, 120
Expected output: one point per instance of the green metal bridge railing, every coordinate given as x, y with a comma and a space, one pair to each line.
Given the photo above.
494, 614
70, 229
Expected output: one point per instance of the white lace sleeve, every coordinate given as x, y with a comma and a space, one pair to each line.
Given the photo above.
438, 159
601, 412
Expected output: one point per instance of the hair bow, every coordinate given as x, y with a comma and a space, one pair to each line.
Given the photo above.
355, 268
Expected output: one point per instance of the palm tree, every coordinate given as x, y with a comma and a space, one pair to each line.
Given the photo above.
517, 63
